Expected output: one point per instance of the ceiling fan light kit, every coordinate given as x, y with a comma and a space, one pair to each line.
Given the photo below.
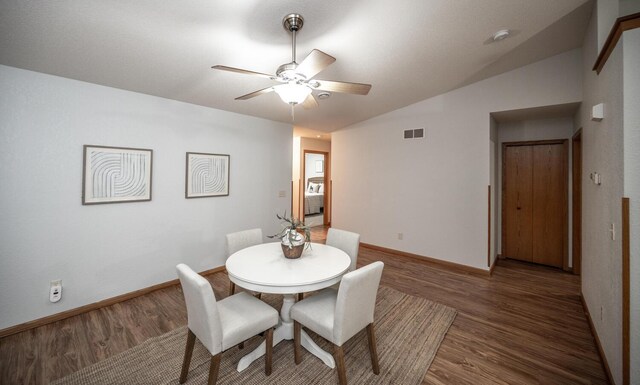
292, 92
297, 79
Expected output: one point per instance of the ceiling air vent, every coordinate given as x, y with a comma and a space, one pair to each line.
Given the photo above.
414, 133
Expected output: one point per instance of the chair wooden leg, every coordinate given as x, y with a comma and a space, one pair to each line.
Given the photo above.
373, 351
269, 355
191, 339
338, 355
214, 369
300, 296
232, 288
296, 342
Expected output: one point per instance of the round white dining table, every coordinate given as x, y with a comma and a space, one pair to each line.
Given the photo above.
263, 268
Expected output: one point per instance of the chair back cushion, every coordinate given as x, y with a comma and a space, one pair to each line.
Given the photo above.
242, 240
346, 241
356, 301
203, 318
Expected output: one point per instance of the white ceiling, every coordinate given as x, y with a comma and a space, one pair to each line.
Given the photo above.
408, 50
311, 133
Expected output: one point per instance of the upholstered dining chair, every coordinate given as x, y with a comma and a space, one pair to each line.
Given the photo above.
220, 325
338, 316
346, 241
241, 240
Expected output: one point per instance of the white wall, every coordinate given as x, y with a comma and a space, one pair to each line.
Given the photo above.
536, 129
607, 12
628, 7
602, 149
434, 191
314, 145
631, 46
310, 164
105, 250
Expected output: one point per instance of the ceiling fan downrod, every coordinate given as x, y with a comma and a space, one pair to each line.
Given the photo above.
293, 22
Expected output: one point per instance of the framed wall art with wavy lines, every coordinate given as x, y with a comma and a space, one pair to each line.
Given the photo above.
116, 175
207, 175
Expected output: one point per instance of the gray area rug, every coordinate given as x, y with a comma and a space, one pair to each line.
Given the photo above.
409, 331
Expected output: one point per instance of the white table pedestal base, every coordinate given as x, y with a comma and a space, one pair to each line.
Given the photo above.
284, 331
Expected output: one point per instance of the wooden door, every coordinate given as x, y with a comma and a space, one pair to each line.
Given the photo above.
549, 204
517, 203
535, 202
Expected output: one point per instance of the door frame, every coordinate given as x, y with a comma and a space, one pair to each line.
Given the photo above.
326, 218
576, 202
564, 143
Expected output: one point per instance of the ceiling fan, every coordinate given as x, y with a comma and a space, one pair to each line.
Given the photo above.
297, 80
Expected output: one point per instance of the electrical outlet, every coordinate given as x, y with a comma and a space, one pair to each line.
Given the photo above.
55, 290
400, 236
282, 194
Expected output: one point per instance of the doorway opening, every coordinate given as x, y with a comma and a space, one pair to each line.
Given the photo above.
553, 128
315, 177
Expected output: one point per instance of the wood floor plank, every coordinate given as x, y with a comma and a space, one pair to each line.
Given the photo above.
523, 325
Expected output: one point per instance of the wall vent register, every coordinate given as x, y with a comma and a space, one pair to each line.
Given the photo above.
416, 133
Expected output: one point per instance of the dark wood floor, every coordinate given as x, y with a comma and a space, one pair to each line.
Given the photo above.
524, 325
319, 233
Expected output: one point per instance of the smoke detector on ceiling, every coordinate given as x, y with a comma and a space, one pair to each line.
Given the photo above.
501, 35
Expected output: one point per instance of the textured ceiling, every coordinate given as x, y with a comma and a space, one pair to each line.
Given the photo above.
408, 50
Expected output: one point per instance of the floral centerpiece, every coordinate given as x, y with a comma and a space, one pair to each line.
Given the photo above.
294, 236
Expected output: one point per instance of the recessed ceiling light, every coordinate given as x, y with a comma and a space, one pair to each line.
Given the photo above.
324, 95
501, 35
